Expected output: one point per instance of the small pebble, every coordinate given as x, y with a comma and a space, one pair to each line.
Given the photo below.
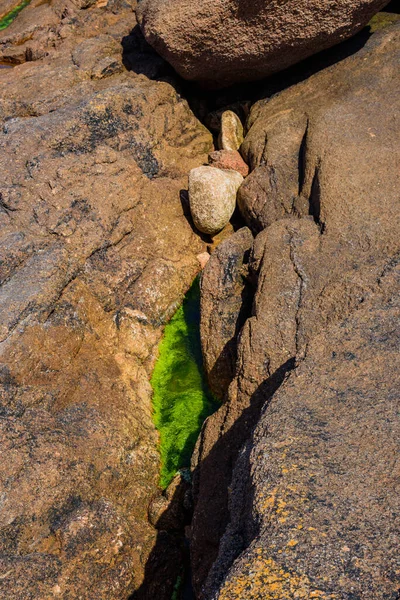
229, 159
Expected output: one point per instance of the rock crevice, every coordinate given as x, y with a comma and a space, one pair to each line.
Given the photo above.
300, 465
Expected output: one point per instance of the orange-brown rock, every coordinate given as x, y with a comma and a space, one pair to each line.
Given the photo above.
309, 508
95, 254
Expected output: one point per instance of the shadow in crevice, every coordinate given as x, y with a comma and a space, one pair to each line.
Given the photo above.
139, 57
302, 160
393, 7
167, 571
212, 479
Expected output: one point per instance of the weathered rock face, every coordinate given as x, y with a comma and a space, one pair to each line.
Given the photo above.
224, 308
324, 156
221, 42
323, 520
95, 252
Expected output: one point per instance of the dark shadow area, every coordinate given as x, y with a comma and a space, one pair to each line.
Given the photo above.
212, 478
302, 160
237, 220
167, 572
138, 56
393, 7
315, 198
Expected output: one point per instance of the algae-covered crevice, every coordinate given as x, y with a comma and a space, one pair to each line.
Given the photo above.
9, 17
181, 398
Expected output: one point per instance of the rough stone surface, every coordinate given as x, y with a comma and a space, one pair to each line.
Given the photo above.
231, 134
323, 517
212, 197
223, 308
325, 290
221, 42
228, 159
95, 254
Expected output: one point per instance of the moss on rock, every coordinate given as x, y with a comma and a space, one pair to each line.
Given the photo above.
381, 20
181, 399
10, 16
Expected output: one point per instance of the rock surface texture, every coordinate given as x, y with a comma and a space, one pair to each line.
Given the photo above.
223, 308
307, 505
221, 42
228, 159
95, 254
212, 197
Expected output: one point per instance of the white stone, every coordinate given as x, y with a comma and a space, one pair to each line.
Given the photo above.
212, 197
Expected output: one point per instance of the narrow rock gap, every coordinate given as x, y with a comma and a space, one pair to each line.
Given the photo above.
302, 159
181, 402
206, 106
315, 199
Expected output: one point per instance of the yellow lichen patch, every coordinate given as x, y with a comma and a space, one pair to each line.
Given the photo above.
286, 470
267, 580
274, 504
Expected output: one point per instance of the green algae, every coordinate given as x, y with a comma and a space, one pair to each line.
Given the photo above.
10, 16
177, 588
181, 398
382, 20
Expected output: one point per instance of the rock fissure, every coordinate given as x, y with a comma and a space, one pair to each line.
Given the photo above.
301, 274
299, 475
298, 328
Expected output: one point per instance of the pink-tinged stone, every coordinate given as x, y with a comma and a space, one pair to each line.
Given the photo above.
203, 259
229, 159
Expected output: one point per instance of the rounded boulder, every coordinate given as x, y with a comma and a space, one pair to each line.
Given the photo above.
212, 197
223, 42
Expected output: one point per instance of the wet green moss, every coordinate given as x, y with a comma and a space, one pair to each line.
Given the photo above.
177, 589
10, 16
181, 398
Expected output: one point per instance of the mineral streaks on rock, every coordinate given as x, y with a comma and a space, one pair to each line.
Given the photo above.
212, 197
223, 308
95, 253
306, 508
222, 42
